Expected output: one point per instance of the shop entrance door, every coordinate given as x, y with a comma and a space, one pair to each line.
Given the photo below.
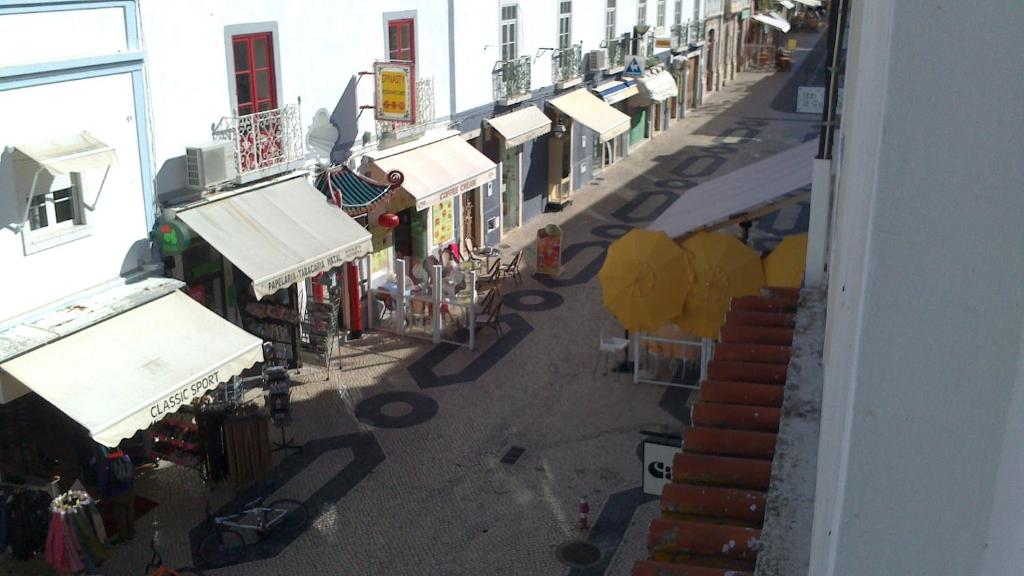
511, 188
694, 83
470, 226
638, 127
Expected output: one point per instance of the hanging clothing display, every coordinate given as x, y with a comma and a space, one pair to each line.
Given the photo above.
73, 541
23, 516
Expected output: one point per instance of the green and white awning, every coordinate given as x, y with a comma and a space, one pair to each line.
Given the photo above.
356, 194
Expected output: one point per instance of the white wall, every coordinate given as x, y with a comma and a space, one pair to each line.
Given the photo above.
322, 45
477, 48
105, 107
925, 313
48, 36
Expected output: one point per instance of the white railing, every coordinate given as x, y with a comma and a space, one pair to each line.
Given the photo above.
266, 142
424, 114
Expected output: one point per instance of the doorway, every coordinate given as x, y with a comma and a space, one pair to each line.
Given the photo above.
711, 60
511, 187
470, 225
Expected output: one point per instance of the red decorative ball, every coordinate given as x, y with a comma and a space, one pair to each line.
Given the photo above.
388, 220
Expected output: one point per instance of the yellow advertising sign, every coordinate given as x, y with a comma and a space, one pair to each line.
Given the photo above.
791, 44
662, 42
396, 100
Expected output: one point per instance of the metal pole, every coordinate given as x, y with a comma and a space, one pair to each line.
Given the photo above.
399, 299
472, 310
437, 297
837, 21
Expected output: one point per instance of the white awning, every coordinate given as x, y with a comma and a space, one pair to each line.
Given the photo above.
658, 87
522, 125
616, 90
590, 111
811, 3
438, 171
123, 374
788, 4
773, 20
280, 234
755, 187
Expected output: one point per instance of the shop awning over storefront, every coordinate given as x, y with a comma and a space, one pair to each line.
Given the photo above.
774, 20
280, 234
616, 90
358, 194
123, 374
76, 153
751, 191
593, 113
522, 125
810, 3
787, 4
440, 170
658, 86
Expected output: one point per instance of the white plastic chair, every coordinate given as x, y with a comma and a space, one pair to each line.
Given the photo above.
612, 346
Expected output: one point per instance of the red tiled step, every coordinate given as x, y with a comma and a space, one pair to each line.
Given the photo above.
729, 503
763, 319
756, 335
725, 442
787, 292
652, 568
721, 471
761, 353
763, 304
757, 372
748, 393
735, 542
736, 417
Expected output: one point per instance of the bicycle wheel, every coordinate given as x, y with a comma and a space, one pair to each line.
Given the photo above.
223, 547
295, 515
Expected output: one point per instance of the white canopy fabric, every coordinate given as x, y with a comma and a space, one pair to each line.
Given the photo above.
657, 87
593, 113
773, 20
123, 374
811, 3
787, 4
280, 234
522, 125
438, 171
58, 157
750, 188
616, 91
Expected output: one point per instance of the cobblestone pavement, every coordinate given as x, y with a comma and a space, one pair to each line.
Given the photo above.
414, 485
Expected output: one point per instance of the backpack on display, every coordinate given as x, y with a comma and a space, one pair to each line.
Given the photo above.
122, 470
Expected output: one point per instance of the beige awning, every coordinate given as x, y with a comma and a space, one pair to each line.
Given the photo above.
57, 157
658, 86
590, 111
440, 170
773, 19
123, 374
279, 234
522, 125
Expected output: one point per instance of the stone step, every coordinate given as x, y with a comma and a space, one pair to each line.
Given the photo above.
725, 442
756, 335
746, 507
763, 319
724, 471
748, 393
736, 417
764, 304
786, 292
757, 372
702, 539
760, 353
652, 568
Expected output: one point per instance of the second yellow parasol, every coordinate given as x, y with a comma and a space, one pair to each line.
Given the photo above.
785, 265
645, 278
723, 268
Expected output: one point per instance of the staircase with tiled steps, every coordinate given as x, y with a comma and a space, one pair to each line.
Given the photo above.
712, 513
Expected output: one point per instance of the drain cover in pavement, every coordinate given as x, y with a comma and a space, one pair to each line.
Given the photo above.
512, 455
578, 554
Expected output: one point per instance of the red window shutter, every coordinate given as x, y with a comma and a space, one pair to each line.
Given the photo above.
255, 77
401, 43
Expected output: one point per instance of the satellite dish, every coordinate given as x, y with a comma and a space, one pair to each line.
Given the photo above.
322, 135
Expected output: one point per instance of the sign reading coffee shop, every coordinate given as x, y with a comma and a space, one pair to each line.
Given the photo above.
395, 91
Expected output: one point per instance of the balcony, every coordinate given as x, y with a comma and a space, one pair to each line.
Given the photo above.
567, 66
617, 49
511, 80
389, 133
681, 35
697, 31
266, 143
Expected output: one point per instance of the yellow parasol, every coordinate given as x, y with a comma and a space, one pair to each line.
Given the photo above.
785, 265
723, 268
645, 278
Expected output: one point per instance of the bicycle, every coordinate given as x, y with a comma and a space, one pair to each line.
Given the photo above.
225, 543
157, 562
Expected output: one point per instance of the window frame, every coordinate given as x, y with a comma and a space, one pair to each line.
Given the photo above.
254, 104
508, 43
660, 14
57, 233
610, 19
641, 12
678, 18
399, 23
564, 37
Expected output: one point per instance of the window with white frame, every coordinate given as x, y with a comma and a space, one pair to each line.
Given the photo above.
609, 20
641, 12
660, 18
57, 216
509, 30
679, 12
564, 24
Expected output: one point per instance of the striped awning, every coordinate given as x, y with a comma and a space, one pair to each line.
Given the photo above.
357, 193
616, 91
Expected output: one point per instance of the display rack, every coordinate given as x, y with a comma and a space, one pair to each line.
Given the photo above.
320, 327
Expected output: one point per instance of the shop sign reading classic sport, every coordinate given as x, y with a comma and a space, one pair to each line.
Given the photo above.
396, 98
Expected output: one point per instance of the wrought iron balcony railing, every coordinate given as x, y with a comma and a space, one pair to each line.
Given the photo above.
266, 142
698, 31
617, 48
681, 34
511, 80
567, 64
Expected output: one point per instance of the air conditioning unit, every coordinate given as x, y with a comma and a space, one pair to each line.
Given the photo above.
598, 60
210, 164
